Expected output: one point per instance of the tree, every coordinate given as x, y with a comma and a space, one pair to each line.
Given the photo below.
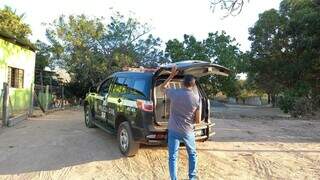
42, 55
217, 48
12, 24
75, 45
91, 50
268, 44
129, 36
285, 50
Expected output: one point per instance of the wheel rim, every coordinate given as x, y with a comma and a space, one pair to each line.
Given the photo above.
124, 139
87, 117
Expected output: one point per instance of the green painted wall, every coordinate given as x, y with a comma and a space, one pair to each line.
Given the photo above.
15, 56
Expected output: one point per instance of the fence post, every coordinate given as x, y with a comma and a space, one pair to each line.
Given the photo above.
41, 81
31, 100
5, 105
62, 97
47, 98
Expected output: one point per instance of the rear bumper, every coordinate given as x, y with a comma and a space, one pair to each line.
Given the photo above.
158, 134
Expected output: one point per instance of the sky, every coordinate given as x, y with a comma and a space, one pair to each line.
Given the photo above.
168, 19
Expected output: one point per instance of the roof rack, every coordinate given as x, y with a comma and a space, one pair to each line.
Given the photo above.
139, 69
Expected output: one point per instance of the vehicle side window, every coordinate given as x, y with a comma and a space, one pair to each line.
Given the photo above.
136, 89
139, 86
129, 82
119, 87
104, 87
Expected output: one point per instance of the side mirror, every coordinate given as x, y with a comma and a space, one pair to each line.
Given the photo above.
93, 89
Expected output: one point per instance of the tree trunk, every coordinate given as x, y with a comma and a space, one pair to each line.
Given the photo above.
273, 100
269, 98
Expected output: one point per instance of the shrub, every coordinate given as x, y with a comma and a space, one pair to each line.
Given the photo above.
302, 106
286, 102
296, 106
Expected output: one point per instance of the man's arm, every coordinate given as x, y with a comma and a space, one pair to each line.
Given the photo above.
165, 84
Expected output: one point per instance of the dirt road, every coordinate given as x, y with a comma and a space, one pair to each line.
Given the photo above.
59, 146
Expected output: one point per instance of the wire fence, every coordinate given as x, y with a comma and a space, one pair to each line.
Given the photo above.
50, 97
17, 104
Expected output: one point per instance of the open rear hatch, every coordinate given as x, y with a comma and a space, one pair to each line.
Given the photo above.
195, 68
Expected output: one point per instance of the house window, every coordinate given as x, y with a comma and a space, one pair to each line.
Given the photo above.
15, 77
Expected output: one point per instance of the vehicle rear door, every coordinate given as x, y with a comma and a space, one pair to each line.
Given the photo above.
190, 67
195, 68
136, 89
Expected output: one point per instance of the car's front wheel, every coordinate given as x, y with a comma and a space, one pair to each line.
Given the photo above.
88, 117
127, 145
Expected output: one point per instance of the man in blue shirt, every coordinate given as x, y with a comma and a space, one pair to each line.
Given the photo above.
184, 112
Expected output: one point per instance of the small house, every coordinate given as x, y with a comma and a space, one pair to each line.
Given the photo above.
17, 64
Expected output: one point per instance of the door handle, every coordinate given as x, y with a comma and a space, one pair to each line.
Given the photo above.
119, 100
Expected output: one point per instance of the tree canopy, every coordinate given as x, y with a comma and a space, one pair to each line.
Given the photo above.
12, 24
286, 49
91, 50
217, 48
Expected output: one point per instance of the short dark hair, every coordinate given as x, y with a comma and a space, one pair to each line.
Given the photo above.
189, 80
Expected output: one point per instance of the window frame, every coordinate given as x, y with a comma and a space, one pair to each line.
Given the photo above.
15, 75
115, 84
101, 85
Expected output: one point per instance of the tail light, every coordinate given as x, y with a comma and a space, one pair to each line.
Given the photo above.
145, 105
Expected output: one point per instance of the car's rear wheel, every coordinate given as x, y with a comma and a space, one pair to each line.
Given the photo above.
88, 117
127, 145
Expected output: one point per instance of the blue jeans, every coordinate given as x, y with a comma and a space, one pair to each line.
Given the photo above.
174, 139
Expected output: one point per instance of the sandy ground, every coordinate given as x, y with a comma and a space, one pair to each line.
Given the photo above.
59, 146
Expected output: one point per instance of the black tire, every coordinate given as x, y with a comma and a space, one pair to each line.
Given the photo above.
88, 117
127, 145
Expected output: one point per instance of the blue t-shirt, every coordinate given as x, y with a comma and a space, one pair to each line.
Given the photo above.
183, 105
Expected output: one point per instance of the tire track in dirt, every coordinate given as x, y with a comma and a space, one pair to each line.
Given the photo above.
120, 170
153, 163
263, 168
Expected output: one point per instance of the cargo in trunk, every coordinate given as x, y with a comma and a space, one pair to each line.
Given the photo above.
162, 102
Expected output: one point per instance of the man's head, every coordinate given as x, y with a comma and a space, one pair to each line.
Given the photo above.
189, 81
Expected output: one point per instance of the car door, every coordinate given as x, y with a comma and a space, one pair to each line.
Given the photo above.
101, 100
115, 100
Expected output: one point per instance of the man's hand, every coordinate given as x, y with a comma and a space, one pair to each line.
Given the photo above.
174, 72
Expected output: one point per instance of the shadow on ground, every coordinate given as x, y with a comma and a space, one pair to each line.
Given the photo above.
53, 142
